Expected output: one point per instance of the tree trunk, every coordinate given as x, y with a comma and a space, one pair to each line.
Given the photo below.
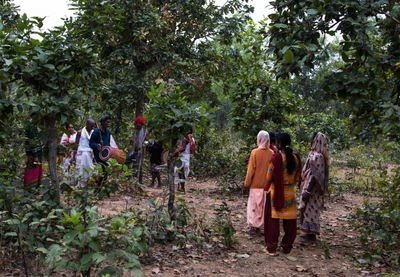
118, 122
171, 184
140, 104
52, 156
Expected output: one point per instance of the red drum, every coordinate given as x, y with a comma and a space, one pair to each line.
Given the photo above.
108, 152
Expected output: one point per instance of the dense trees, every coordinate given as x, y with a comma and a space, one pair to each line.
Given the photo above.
188, 64
369, 50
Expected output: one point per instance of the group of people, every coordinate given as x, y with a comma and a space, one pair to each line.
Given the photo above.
86, 146
84, 149
273, 173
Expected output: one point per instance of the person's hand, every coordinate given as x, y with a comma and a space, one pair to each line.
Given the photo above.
305, 196
99, 146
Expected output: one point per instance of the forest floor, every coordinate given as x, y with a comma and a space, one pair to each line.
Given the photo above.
336, 253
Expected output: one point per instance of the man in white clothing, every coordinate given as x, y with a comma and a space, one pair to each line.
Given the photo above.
84, 155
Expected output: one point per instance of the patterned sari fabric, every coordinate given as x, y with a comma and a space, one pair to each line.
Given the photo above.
33, 172
289, 210
33, 149
317, 167
280, 204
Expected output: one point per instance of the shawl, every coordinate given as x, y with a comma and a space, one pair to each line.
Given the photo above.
317, 164
279, 197
85, 133
263, 139
142, 134
279, 200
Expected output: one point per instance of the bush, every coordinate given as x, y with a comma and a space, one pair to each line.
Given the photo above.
379, 223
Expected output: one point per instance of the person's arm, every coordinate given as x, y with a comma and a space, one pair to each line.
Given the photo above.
305, 196
94, 141
77, 139
251, 169
184, 143
64, 140
270, 176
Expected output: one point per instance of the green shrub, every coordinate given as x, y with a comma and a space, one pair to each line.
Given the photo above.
379, 223
222, 224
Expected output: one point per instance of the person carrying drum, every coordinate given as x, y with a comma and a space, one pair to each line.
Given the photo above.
101, 137
139, 141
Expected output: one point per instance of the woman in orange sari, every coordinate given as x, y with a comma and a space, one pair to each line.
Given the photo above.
282, 177
255, 180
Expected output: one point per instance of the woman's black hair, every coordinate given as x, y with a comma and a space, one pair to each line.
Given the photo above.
271, 137
104, 118
66, 125
284, 142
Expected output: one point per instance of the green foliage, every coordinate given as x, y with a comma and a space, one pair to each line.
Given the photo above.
143, 43
379, 222
369, 52
170, 112
222, 224
221, 154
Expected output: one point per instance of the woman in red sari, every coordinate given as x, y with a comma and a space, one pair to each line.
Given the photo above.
282, 177
33, 149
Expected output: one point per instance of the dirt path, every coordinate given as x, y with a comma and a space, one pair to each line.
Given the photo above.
333, 255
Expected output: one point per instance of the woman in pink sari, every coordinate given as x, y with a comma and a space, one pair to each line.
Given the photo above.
256, 181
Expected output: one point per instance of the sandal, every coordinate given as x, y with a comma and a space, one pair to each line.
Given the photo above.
272, 254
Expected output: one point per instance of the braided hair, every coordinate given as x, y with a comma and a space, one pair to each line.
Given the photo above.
284, 142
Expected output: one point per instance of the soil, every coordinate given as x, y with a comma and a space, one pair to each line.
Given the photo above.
337, 252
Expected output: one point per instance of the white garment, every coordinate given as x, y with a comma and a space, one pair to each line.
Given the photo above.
185, 158
113, 144
255, 208
84, 141
84, 159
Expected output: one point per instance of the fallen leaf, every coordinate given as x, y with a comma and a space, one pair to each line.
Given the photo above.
155, 270
291, 258
299, 268
243, 256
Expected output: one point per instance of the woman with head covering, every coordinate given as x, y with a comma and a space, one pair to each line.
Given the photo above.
313, 186
255, 180
283, 175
